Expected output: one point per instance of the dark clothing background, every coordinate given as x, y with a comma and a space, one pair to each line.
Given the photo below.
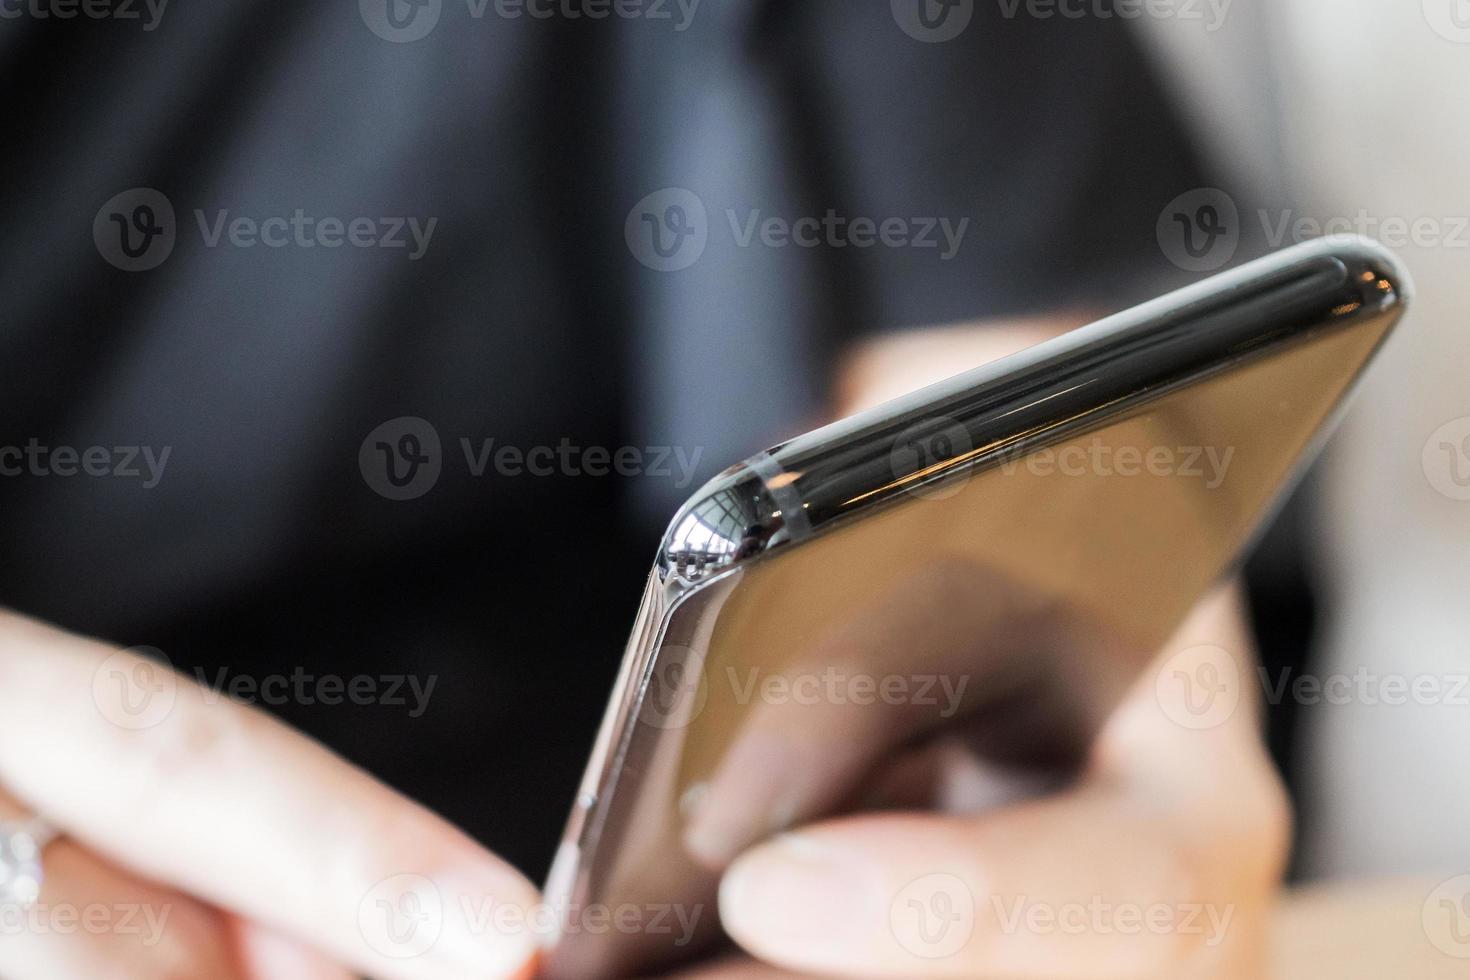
528, 320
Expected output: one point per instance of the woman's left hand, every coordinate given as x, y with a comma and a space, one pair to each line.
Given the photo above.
1162, 861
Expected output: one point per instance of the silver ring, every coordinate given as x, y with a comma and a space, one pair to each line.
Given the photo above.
21, 844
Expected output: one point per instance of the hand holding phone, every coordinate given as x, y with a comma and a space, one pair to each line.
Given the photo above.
1024, 538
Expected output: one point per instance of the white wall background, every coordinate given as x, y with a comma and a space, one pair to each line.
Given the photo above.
1364, 105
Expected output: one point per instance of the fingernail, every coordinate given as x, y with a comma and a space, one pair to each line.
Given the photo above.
799, 888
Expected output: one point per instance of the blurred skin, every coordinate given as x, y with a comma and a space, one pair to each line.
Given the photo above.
211, 840
1163, 817
255, 851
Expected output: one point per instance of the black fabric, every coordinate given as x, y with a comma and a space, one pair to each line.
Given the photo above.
263, 550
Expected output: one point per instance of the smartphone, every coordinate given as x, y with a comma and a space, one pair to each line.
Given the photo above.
988, 562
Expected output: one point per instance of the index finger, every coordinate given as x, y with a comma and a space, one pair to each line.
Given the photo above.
225, 802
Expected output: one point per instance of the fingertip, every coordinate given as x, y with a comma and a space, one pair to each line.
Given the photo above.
479, 918
801, 895
494, 921
873, 896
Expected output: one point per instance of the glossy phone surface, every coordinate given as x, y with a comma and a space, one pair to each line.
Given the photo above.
1017, 541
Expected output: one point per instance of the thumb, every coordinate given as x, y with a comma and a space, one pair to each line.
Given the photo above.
1103, 880
1084, 884
1158, 863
